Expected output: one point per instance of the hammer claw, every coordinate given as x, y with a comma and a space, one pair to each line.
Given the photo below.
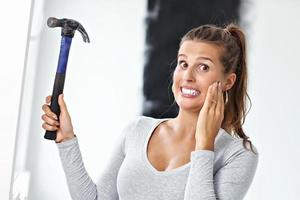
69, 26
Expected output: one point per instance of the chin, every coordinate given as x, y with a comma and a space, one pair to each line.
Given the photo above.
188, 106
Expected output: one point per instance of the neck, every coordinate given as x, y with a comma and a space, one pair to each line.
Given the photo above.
184, 125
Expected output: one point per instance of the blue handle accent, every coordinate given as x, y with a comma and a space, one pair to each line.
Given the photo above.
64, 54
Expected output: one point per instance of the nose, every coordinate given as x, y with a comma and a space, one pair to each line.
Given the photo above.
189, 74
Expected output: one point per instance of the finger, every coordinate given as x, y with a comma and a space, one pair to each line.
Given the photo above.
208, 98
215, 95
61, 103
213, 101
48, 112
48, 99
220, 106
222, 99
49, 127
49, 120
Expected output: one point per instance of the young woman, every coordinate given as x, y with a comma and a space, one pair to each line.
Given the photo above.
203, 153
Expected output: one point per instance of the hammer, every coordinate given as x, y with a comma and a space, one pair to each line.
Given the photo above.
69, 26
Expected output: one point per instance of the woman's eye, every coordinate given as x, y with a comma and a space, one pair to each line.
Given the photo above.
203, 67
183, 64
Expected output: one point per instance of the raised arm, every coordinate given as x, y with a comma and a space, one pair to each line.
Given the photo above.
80, 185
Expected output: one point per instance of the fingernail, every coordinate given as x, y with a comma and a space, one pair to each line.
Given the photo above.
54, 116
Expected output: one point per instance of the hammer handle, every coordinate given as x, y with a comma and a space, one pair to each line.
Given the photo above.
59, 81
54, 106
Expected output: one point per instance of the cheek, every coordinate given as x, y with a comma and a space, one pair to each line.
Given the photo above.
176, 79
206, 83
209, 80
173, 91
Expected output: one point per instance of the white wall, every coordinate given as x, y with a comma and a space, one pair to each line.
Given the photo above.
274, 88
103, 88
13, 35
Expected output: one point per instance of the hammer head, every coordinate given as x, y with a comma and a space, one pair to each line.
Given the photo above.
69, 26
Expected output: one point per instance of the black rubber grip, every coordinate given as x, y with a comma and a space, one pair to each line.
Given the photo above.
57, 90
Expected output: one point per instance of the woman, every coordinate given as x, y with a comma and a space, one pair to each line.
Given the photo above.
203, 153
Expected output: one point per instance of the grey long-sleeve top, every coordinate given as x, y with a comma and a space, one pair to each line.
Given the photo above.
225, 173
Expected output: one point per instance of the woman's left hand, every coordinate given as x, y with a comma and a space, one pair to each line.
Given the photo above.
210, 118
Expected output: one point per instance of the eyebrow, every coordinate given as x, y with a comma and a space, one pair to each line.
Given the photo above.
201, 57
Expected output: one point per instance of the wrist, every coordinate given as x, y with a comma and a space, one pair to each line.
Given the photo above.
204, 145
69, 137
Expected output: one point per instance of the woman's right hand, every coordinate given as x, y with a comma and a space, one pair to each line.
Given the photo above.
63, 127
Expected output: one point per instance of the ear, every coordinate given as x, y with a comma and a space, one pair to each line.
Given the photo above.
229, 81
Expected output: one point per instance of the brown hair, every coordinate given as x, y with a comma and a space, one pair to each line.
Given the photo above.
231, 39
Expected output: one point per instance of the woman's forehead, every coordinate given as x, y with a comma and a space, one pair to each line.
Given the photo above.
200, 49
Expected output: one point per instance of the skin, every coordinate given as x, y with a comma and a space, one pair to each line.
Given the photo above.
199, 118
64, 126
199, 67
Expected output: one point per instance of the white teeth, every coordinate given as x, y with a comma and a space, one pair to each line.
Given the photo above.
190, 91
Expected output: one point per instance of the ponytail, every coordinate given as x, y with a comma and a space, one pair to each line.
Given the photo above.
236, 110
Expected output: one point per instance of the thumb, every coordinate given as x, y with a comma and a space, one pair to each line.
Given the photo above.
61, 103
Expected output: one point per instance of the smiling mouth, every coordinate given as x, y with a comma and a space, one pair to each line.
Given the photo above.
189, 92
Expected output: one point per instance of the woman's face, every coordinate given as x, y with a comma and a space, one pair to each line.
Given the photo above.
198, 66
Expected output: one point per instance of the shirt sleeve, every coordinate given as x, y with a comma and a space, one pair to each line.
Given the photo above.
230, 182
81, 186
